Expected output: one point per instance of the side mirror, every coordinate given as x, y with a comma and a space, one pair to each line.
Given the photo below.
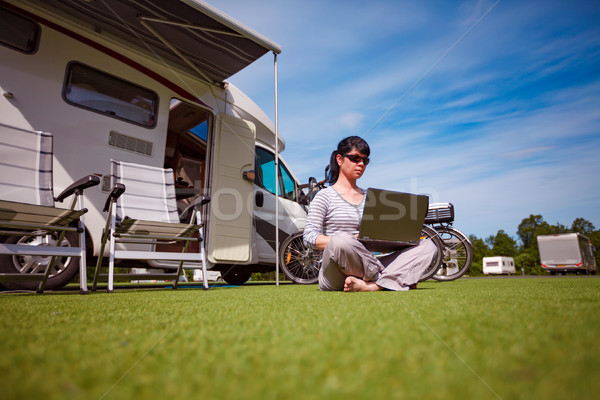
312, 183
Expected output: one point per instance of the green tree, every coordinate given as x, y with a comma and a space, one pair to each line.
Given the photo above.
553, 229
595, 239
529, 262
502, 244
528, 230
583, 226
533, 226
480, 250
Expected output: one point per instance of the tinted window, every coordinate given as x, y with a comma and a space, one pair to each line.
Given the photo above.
289, 187
18, 32
265, 175
265, 169
97, 91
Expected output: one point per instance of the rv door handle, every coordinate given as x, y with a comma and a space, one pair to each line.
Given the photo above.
259, 199
249, 176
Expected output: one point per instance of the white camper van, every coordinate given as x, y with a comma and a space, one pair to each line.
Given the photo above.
567, 252
145, 82
498, 265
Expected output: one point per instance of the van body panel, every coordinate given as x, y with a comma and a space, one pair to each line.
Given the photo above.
292, 217
498, 265
566, 252
230, 229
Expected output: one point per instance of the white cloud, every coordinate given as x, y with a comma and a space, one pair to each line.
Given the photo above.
352, 120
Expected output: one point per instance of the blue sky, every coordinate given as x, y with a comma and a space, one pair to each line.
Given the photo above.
491, 105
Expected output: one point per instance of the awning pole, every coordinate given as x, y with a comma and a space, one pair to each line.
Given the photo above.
276, 180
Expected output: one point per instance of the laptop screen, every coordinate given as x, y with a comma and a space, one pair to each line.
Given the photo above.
393, 216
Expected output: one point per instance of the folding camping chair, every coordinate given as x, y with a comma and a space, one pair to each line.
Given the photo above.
32, 230
142, 211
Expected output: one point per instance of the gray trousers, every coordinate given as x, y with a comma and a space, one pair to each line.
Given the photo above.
345, 256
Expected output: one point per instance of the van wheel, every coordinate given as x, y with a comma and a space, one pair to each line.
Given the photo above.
236, 276
63, 272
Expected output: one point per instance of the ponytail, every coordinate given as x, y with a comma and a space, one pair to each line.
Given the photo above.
334, 168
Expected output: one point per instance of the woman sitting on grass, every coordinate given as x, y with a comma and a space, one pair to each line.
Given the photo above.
333, 223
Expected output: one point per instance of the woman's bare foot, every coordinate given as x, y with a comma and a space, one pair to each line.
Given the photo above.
354, 284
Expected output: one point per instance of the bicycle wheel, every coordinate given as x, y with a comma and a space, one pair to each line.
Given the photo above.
430, 233
299, 262
458, 254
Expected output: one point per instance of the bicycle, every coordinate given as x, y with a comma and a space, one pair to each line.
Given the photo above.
457, 253
301, 263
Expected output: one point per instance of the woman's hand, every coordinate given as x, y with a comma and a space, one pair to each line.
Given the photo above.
321, 242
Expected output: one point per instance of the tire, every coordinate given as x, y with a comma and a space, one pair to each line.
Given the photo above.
458, 254
236, 275
63, 272
300, 263
429, 233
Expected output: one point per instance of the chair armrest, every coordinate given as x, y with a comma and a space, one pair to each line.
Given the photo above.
196, 204
78, 187
117, 191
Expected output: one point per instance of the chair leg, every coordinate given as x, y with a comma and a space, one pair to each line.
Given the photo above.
203, 260
179, 271
180, 268
100, 257
44, 281
111, 265
95, 281
113, 239
83, 289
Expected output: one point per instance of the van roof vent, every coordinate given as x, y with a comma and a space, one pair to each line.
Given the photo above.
130, 143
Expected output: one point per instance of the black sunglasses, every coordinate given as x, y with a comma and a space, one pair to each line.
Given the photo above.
355, 158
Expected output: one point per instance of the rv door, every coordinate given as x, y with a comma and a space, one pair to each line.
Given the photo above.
230, 227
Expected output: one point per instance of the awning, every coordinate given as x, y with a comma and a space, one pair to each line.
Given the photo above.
191, 34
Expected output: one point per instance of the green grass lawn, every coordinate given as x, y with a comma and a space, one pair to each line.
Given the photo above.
534, 338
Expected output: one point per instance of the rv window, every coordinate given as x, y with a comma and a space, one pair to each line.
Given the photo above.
97, 91
492, 263
201, 130
289, 189
18, 32
265, 168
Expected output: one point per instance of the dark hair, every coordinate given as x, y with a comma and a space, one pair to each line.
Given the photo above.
345, 146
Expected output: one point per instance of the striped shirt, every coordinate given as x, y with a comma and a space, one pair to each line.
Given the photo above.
330, 213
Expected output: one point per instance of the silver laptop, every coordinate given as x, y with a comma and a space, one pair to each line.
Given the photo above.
392, 220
